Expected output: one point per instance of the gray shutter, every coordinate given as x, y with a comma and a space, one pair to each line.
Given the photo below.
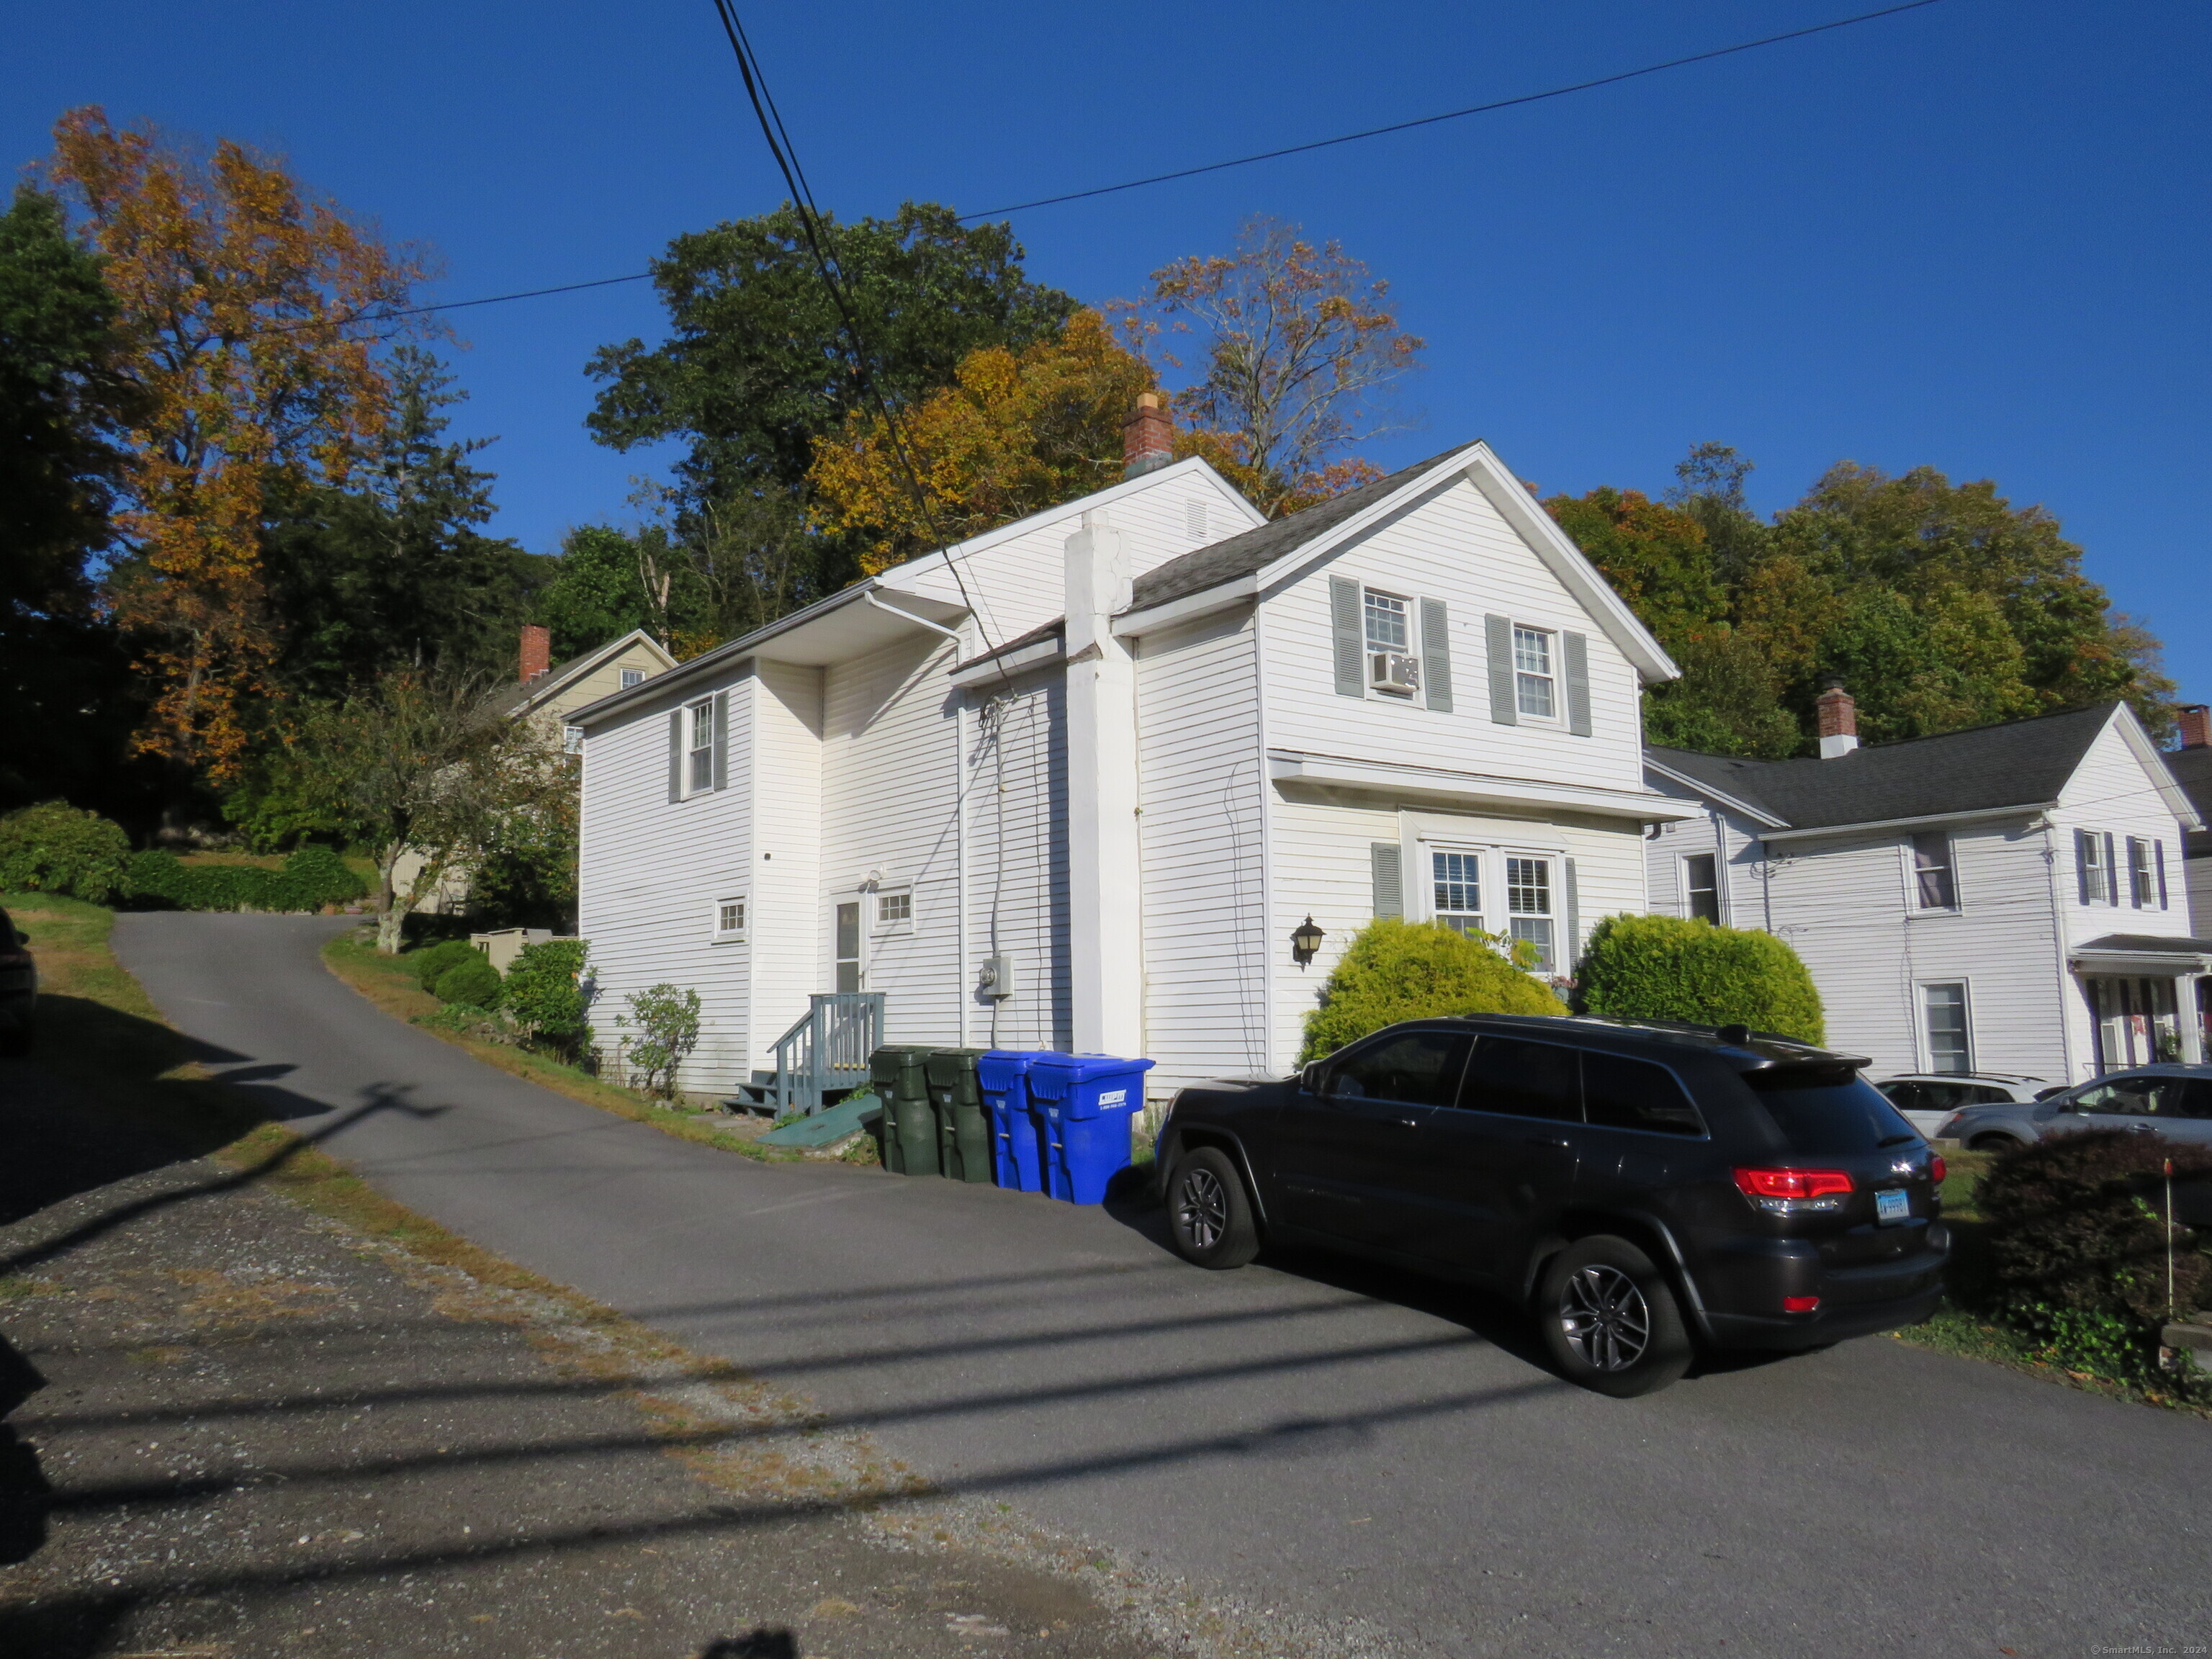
2083, 855
1436, 655
1577, 656
1498, 642
722, 740
1344, 621
2112, 874
674, 754
1389, 888
2157, 847
1573, 953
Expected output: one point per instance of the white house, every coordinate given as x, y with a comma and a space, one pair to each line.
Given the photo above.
2007, 899
2192, 766
1074, 783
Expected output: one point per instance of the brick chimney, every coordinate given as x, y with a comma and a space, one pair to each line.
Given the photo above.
1838, 718
2196, 721
536, 652
1148, 440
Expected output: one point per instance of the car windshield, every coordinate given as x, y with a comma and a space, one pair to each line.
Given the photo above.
1823, 1118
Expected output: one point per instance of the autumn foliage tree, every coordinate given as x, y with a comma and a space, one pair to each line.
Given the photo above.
233, 290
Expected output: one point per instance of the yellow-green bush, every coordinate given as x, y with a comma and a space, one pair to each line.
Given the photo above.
1670, 968
1398, 970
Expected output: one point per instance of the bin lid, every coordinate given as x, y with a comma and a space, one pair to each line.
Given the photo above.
1085, 1068
951, 1065
899, 1056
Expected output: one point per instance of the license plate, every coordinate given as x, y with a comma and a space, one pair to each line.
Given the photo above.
1894, 1205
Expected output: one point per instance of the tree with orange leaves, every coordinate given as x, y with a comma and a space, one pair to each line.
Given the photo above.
234, 292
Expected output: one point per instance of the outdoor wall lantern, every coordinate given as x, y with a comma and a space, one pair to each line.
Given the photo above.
1305, 942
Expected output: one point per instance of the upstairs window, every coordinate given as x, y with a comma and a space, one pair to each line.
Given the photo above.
1935, 884
1535, 686
1528, 906
699, 746
1386, 623
1458, 895
632, 677
2146, 874
572, 739
2093, 868
1701, 888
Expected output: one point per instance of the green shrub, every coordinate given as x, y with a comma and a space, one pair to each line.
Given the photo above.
666, 1020
229, 887
2073, 1223
55, 848
542, 995
472, 982
430, 962
1397, 970
1669, 968
155, 880
314, 877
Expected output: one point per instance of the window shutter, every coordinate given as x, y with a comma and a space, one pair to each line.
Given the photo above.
2112, 874
1345, 622
1573, 953
1389, 889
1497, 644
1577, 656
722, 740
2082, 856
676, 754
1436, 655
2158, 850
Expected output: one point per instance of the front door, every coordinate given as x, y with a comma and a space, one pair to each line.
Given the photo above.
1346, 1154
845, 947
1497, 1166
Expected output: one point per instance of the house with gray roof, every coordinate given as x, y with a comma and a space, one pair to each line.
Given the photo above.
2192, 766
1076, 782
2009, 898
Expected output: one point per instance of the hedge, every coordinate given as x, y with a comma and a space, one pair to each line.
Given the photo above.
430, 964
472, 982
1669, 968
54, 847
1397, 970
311, 877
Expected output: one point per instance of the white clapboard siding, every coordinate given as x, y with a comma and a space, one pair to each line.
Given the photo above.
1016, 578
1205, 863
1452, 546
1740, 865
650, 871
889, 776
1017, 870
786, 865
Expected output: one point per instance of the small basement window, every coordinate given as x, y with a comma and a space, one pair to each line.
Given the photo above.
894, 910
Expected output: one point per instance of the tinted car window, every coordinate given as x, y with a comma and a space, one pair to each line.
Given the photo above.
2195, 1097
1983, 1095
2121, 1096
1620, 1093
1822, 1119
1913, 1096
1527, 1080
1421, 1068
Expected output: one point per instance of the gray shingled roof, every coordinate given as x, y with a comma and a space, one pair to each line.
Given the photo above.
2150, 945
2020, 763
1020, 641
1258, 548
2193, 770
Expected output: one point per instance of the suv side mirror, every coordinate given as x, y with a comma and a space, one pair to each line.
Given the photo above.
1309, 1078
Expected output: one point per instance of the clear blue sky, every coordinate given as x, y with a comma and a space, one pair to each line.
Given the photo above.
1971, 237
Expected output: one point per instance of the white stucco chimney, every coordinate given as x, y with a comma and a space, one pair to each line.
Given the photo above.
1106, 957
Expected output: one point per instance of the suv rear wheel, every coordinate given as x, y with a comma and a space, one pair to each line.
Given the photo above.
1209, 1213
1610, 1318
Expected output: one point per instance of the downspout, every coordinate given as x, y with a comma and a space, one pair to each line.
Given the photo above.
2058, 950
1721, 865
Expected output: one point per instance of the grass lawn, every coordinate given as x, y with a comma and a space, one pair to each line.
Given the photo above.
389, 982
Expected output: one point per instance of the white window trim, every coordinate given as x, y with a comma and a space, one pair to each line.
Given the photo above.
623, 677
572, 739
1557, 717
1958, 904
1369, 649
1425, 863
730, 936
1682, 885
1925, 1037
874, 899
691, 752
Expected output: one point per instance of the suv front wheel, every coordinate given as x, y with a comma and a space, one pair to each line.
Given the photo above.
1610, 1318
1209, 1213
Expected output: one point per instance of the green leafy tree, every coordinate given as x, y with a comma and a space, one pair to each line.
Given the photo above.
545, 993
665, 1018
1396, 970
1671, 968
54, 847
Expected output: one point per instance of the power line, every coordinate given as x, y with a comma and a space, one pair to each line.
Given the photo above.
1456, 114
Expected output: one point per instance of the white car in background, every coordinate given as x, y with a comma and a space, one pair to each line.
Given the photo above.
1924, 1099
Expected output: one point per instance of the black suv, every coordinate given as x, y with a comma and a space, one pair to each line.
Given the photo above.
19, 988
1637, 1183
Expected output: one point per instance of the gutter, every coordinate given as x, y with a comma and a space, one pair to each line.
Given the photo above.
2026, 810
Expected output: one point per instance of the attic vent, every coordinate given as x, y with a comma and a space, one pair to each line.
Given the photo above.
1193, 520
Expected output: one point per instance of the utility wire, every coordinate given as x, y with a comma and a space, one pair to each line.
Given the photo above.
1455, 114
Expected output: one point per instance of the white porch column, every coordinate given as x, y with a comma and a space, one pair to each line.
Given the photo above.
2187, 1020
1105, 943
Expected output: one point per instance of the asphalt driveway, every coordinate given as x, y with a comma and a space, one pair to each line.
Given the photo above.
1344, 1445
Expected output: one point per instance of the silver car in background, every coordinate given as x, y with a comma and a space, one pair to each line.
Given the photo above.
1925, 1099
2174, 1101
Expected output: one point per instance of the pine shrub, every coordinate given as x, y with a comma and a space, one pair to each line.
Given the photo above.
542, 995
2076, 1223
1670, 968
430, 962
54, 847
471, 982
1397, 970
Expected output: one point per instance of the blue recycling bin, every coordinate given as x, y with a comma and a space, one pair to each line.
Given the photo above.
1017, 1156
1085, 1104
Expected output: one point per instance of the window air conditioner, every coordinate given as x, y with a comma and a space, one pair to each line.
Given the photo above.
1394, 671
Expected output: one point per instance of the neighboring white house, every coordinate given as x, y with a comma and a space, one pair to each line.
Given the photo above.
2192, 766
2007, 899
1109, 757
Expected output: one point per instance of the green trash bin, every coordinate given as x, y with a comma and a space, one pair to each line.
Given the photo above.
964, 1128
909, 1126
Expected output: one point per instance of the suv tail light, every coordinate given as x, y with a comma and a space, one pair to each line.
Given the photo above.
1794, 1191
1937, 1169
